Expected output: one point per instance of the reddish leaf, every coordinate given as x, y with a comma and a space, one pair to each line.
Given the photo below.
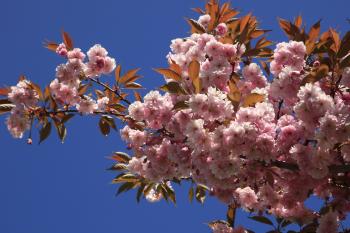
67, 40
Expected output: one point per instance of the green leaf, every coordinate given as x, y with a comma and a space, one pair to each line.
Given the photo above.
45, 132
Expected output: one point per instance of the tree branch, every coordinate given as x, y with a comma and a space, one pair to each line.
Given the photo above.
110, 89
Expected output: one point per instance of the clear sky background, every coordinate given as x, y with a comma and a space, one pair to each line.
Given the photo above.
64, 188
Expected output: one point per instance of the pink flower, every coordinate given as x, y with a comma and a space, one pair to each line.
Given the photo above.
204, 20
23, 94
99, 63
61, 50
102, 103
221, 29
76, 53
247, 197
18, 122
86, 105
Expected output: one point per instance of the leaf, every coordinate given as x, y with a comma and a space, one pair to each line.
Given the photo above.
169, 74
231, 214
5, 101
173, 87
315, 76
83, 88
110, 121
244, 21
45, 132
128, 177
190, 194
181, 105
61, 130
133, 86
193, 70
126, 187
4, 91
137, 96
258, 32
336, 39
314, 31
193, 73
37, 89
67, 40
4, 108
51, 45
262, 219
117, 73
118, 167
104, 127
200, 194
128, 75
121, 157
265, 67
298, 21
140, 192
253, 98
195, 26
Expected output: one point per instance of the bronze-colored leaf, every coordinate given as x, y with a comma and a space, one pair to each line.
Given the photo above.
195, 26
104, 127
137, 96
128, 75
4, 91
175, 67
317, 75
117, 73
244, 21
258, 32
83, 88
265, 67
198, 10
252, 99
61, 130
5, 101
336, 39
133, 85
121, 157
50, 45
181, 105
67, 40
315, 31
193, 70
171, 74
190, 194
45, 132
4, 108
298, 21
173, 87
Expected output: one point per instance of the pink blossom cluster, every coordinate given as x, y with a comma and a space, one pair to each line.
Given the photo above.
24, 97
234, 152
217, 60
219, 227
64, 88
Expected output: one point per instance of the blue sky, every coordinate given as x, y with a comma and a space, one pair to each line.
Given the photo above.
64, 188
